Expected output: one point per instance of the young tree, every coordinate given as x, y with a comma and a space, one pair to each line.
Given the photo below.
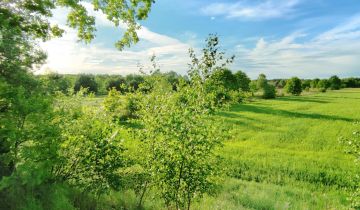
225, 78
203, 70
334, 82
91, 150
314, 83
269, 91
243, 81
323, 85
293, 86
86, 81
28, 135
180, 143
118, 83
306, 84
54, 82
261, 82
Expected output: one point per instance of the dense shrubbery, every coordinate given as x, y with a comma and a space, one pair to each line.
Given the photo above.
267, 90
334, 82
294, 86
86, 81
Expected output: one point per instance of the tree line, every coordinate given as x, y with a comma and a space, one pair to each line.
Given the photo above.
238, 80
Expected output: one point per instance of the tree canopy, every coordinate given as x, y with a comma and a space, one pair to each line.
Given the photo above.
32, 17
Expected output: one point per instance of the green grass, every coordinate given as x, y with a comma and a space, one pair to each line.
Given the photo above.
285, 153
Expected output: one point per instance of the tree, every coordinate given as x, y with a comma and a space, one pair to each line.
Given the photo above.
203, 70
293, 86
118, 83
334, 82
133, 81
86, 81
225, 78
323, 85
33, 17
280, 83
29, 135
54, 82
243, 81
179, 144
91, 149
261, 82
314, 83
306, 84
269, 91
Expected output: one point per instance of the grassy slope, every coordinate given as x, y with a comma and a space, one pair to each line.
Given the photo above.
284, 153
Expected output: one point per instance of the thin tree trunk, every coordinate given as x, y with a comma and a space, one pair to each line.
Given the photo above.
142, 194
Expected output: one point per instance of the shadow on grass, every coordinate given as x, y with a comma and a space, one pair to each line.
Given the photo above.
285, 113
230, 114
130, 124
340, 97
301, 99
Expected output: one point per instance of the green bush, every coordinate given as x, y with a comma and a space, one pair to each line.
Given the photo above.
269, 91
334, 83
293, 86
86, 81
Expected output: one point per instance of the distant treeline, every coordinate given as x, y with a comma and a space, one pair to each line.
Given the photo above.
101, 84
351, 82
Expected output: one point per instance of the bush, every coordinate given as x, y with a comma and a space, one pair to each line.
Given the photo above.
323, 85
335, 83
243, 81
293, 86
86, 81
269, 91
261, 82
121, 107
118, 84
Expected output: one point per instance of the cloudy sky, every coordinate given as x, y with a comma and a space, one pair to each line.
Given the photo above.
281, 38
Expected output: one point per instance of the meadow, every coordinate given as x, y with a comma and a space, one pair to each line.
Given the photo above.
285, 154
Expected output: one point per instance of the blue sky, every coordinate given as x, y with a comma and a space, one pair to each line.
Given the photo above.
281, 38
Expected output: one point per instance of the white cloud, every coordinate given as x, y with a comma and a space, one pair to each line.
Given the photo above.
332, 52
67, 55
249, 10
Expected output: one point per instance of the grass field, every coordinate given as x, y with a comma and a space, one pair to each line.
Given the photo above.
282, 154
285, 153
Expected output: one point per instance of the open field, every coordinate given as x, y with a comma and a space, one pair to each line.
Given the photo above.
285, 153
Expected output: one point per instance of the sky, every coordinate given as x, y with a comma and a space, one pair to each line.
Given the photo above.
280, 38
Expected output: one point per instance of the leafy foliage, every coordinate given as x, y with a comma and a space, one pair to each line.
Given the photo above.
334, 82
269, 91
294, 86
32, 17
179, 144
86, 81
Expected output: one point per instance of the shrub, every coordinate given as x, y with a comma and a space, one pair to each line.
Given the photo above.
86, 81
118, 84
269, 91
335, 83
261, 82
293, 86
121, 107
243, 81
323, 85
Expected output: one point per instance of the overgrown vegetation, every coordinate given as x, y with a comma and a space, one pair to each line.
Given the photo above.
163, 140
